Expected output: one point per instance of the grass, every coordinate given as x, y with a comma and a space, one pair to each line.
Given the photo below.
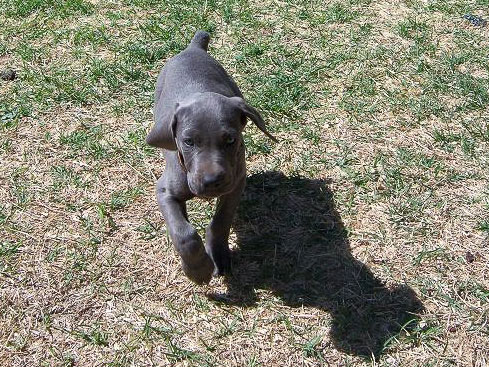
361, 237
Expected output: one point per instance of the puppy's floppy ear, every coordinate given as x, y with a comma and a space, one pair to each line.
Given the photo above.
162, 133
173, 129
253, 114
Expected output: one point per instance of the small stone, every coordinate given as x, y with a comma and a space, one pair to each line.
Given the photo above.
469, 257
8, 74
452, 328
392, 362
475, 20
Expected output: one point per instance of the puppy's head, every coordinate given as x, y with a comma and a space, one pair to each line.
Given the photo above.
207, 129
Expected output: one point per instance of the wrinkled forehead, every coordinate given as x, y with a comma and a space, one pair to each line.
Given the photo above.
209, 116
213, 106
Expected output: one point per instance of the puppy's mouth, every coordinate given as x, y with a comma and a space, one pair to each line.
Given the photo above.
200, 192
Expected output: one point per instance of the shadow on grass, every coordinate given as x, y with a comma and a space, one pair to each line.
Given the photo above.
291, 240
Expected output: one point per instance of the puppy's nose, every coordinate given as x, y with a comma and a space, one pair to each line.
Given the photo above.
213, 180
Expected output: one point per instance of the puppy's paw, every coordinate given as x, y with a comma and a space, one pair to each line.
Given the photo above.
196, 263
199, 270
222, 260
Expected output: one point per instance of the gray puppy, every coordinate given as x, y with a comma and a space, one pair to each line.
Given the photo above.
199, 116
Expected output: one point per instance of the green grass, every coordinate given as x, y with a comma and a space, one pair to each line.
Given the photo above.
360, 240
63, 9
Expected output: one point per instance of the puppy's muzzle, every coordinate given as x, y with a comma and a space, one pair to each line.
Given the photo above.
213, 181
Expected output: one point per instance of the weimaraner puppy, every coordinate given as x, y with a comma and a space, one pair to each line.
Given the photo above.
199, 117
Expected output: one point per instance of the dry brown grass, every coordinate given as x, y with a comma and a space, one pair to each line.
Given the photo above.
362, 236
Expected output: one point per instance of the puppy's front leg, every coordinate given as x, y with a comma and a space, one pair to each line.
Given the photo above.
196, 264
217, 233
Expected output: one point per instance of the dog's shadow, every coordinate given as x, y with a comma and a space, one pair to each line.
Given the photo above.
291, 241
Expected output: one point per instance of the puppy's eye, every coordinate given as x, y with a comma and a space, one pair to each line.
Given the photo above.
188, 142
230, 140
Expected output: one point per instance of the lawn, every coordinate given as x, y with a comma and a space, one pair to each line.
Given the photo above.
362, 237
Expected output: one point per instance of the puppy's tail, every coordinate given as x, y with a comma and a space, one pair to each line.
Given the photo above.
201, 40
